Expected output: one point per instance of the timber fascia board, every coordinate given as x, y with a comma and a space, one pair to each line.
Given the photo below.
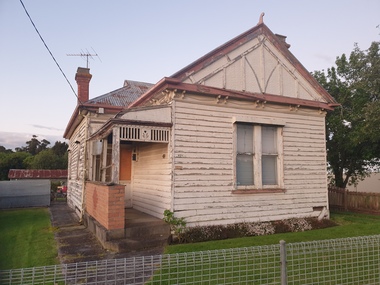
173, 84
79, 112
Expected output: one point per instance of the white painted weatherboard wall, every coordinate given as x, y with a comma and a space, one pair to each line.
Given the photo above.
204, 160
151, 179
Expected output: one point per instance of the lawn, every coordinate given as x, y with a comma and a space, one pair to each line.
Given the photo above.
349, 225
238, 261
26, 239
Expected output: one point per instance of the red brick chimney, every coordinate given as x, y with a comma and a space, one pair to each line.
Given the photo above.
83, 78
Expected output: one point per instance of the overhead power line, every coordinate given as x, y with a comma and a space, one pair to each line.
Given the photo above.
64, 75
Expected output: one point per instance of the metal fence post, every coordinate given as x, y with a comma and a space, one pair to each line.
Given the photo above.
284, 277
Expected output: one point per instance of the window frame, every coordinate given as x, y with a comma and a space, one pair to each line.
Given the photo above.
257, 156
96, 167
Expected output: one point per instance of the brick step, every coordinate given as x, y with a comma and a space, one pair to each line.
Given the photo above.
152, 228
136, 244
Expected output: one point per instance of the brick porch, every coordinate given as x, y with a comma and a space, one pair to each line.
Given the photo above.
117, 228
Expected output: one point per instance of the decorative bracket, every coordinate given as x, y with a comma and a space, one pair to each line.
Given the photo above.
219, 99
294, 107
259, 103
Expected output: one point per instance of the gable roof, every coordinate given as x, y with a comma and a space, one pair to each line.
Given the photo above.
182, 80
37, 174
123, 96
223, 52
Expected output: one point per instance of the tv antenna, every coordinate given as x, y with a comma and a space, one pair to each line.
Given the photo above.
87, 55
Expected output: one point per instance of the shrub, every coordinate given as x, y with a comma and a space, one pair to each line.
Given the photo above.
320, 224
260, 229
281, 227
177, 225
298, 225
219, 232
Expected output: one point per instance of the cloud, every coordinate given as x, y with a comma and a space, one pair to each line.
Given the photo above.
47, 128
326, 58
11, 140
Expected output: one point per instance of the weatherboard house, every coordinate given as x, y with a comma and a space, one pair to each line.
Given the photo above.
236, 136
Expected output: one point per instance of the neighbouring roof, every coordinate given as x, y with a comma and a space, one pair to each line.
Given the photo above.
113, 101
37, 174
123, 96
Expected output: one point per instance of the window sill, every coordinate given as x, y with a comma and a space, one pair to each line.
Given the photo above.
258, 191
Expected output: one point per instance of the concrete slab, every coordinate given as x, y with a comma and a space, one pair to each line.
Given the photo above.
76, 243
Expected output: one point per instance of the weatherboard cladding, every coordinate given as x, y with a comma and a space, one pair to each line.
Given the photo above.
123, 96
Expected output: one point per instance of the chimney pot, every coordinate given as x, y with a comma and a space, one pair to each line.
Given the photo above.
83, 77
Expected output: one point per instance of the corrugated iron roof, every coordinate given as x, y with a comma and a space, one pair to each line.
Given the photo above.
123, 96
37, 174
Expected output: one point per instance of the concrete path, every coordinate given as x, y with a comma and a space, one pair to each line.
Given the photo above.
77, 244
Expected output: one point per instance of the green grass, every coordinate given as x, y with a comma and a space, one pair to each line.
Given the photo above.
349, 225
260, 267
26, 239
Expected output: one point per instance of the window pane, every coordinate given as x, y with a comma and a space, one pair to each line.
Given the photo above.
269, 140
244, 138
269, 168
244, 156
244, 169
97, 168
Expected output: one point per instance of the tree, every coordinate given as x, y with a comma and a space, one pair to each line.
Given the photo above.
14, 160
4, 150
353, 129
47, 159
36, 155
60, 148
34, 146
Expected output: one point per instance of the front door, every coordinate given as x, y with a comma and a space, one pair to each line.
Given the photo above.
125, 173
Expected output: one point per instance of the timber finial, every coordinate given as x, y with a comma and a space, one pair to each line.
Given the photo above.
261, 20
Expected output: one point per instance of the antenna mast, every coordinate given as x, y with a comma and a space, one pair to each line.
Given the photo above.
87, 55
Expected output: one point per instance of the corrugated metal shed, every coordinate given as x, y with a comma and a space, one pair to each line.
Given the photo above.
123, 96
37, 174
24, 193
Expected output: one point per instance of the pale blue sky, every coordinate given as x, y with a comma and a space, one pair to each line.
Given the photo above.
145, 41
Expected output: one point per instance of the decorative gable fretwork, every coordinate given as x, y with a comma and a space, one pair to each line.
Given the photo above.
256, 66
144, 133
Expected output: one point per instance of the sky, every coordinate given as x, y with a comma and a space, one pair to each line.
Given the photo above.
145, 41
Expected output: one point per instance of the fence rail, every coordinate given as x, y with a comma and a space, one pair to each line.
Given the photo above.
338, 261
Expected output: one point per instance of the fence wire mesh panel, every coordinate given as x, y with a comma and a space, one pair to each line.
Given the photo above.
135, 270
254, 265
339, 261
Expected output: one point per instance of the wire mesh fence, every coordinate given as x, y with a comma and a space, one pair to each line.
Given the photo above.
338, 261
230, 266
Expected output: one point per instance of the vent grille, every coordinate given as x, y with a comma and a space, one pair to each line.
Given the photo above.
143, 133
